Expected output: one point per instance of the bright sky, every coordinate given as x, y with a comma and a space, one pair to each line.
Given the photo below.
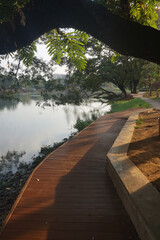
42, 53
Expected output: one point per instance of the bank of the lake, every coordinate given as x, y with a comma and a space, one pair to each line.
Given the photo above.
27, 123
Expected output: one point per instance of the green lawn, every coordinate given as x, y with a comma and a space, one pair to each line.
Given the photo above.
124, 105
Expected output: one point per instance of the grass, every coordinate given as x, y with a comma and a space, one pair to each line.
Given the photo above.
125, 105
139, 121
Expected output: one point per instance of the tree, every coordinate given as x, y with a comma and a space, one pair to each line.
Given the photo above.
116, 72
39, 17
18, 76
134, 71
143, 11
150, 78
105, 67
156, 76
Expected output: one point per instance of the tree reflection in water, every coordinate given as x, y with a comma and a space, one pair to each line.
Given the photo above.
11, 161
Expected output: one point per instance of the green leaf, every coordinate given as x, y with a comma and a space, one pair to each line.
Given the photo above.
26, 53
68, 45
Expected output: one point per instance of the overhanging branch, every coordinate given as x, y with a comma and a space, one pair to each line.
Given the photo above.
126, 37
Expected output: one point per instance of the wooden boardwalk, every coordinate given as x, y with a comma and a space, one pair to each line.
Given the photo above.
70, 196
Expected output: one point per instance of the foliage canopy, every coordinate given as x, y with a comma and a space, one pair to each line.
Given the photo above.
71, 45
143, 11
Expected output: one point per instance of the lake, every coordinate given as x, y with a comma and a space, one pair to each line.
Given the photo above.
28, 124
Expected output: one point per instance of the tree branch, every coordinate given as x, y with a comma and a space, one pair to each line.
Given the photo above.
107, 92
104, 93
126, 37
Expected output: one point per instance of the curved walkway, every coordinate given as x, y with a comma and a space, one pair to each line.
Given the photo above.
70, 195
155, 104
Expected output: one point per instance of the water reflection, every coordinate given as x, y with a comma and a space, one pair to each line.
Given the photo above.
11, 161
24, 126
10, 104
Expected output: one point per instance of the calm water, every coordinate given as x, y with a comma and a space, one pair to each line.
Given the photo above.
26, 126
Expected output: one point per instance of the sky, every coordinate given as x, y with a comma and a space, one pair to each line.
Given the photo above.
41, 53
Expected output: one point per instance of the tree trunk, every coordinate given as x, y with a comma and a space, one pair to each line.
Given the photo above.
134, 88
126, 37
123, 90
157, 92
131, 87
150, 89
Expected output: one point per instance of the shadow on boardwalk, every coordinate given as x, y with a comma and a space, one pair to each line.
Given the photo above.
70, 196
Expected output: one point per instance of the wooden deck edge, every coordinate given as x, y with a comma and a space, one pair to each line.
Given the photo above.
140, 198
21, 193
29, 178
